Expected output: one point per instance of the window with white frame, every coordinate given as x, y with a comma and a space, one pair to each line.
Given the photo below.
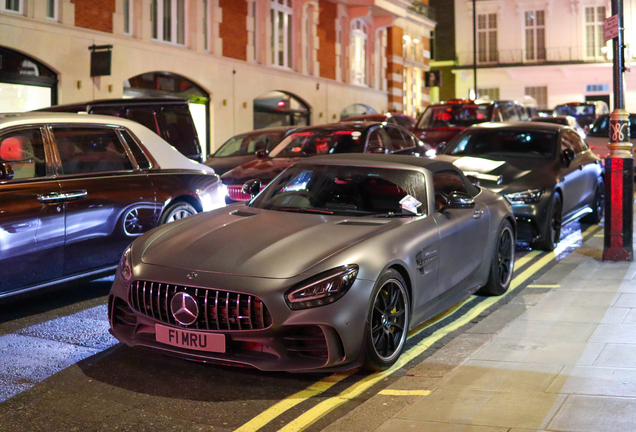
540, 94
128, 16
488, 93
51, 9
281, 43
12, 6
595, 46
358, 46
487, 38
169, 21
535, 35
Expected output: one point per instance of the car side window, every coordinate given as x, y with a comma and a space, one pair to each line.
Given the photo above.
90, 149
375, 141
137, 152
444, 183
398, 139
24, 151
510, 112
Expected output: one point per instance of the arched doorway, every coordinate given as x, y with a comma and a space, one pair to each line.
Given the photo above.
162, 84
25, 83
356, 109
279, 108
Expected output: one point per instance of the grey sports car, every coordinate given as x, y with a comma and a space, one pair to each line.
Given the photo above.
327, 268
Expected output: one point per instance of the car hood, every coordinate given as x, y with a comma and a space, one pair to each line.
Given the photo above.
257, 243
502, 176
436, 136
264, 170
221, 165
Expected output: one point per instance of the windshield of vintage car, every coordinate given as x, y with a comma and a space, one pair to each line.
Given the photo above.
454, 115
248, 144
504, 143
311, 143
346, 190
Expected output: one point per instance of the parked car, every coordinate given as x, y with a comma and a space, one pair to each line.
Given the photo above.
546, 171
562, 120
170, 118
340, 256
242, 148
75, 190
403, 120
584, 112
347, 137
598, 134
441, 122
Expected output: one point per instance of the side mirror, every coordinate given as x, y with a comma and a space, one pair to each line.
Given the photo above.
460, 200
262, 154
6, 172
567, 156
440, 147
252, 187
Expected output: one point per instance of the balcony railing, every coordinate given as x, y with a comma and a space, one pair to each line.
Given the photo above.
556, 55
420, 8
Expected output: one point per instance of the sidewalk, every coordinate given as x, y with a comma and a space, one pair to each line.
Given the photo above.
561, 356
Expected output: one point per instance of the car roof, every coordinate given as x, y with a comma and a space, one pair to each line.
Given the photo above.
381, 160
81, 106
17, 119
534, 126
360, 126
268, 130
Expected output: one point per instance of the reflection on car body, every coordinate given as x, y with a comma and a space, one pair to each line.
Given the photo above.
76, 189
327, 268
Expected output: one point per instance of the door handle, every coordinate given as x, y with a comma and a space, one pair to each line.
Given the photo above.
72, 195
477, 214
53, 197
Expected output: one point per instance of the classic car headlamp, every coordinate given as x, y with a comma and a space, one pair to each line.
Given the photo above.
531, 196
125, 268
322, 289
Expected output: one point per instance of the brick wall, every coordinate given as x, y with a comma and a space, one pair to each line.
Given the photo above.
94, 14
328, 13
233, 29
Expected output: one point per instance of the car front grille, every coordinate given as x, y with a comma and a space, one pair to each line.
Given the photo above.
218, 310
236, 193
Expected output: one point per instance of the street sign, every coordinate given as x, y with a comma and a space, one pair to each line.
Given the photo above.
610, 27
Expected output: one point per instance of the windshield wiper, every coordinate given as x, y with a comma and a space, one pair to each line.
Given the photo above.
395, 215
304, 210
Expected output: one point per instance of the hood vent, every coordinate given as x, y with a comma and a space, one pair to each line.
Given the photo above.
242, 213
362, 223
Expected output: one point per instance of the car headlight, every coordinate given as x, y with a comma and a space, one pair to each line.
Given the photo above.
531, 196
323, 289
125, 268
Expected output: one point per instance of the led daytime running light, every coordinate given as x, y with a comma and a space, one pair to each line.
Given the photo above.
323, 289
527, 197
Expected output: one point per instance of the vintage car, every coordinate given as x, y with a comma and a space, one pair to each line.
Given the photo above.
327, 268
75, 190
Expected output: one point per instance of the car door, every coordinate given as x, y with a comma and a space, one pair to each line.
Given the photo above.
463, 233
573, 174
31, 212
110, 200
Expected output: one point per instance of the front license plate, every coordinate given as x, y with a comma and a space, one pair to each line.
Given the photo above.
194, 340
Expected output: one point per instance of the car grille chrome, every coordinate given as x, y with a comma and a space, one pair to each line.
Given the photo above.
219, 310
236, 193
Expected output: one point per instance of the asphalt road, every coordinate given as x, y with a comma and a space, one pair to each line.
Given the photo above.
60, 370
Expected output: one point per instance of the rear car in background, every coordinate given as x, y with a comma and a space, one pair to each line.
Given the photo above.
584, 112
403, 120
562, 120
547, 173
439, 123
75, 190
170, 118
246, 147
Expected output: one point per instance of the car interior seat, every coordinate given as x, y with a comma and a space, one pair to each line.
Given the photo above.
18, 152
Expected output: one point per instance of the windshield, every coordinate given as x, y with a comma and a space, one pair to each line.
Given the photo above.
248, 144
460, 115
504, 143
345, 190
311, 143
574, 110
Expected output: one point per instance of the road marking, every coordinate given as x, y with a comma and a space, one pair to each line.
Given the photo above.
526, 259
389, 392
543, 286
357, 388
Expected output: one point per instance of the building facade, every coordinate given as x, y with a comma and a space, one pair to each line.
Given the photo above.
244, 64
551, 50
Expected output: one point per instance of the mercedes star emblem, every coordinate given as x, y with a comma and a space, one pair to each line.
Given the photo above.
185, 308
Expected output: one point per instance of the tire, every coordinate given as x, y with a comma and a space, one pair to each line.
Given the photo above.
177, 211
387, 323
502, 263
599, 204
552, 233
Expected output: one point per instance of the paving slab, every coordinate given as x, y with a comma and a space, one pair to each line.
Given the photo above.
594, 413
617, 355
589, 380
548, 331
614, 333
575, 314
398, 424
539, 351
626, 300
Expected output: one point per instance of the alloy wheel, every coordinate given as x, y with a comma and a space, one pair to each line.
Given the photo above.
132, 226
389, 319
179, 214
505, 256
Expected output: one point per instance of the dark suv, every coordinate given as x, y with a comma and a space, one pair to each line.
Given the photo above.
443, 121
170, 118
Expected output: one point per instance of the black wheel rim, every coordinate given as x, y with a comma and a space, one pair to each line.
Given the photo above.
131, 223
505, 257
555, 228
389, 320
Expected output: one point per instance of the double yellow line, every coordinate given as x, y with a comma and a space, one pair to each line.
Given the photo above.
359, 387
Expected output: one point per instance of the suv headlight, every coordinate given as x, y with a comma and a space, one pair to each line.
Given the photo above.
125, 268
531, 196
322, 289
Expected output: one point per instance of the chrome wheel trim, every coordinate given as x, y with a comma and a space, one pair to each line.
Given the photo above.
132, 227
178, 213
389, 320
505, 256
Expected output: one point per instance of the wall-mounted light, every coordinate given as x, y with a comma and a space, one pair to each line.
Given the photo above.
320, 115
244, 104
224, 102
406, 38
79, 84
317, 86
110, 88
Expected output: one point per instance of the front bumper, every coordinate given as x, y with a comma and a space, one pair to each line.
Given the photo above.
329, 337
531, 220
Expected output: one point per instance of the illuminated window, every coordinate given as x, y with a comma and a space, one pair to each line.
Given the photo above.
535, 35
358, 47
595, 46
281, 43
168, 21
